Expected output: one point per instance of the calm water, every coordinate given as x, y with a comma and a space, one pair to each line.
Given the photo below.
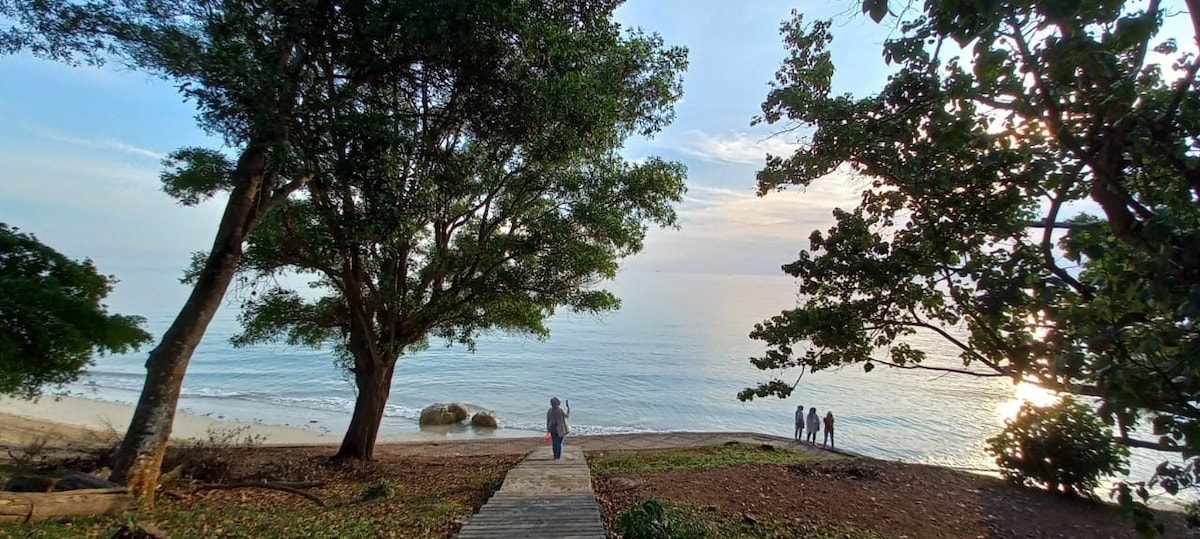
673, 358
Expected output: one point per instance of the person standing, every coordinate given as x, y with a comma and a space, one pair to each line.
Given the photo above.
556, 424
814, 424
829, 429
800, 423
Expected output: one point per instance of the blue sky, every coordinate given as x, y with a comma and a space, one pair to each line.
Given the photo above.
80, 151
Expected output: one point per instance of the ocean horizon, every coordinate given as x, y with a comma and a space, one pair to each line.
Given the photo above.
671, 359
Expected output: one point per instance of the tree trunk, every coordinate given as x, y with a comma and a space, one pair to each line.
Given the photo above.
374, 385
139, 460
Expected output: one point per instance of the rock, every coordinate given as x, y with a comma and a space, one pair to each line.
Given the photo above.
143, 530
485, 420
749, 519
444, 414
48, 483
29, 483
79, 481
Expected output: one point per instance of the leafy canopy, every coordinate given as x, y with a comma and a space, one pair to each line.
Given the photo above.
1032, 197
52, 318
447, 208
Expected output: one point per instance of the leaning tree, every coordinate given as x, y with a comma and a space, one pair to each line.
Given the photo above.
265, 77
1031, 196
447, 209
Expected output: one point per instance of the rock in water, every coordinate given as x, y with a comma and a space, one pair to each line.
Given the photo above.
483, 420
444, 414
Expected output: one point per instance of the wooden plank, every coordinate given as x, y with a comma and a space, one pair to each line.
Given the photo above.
541, 498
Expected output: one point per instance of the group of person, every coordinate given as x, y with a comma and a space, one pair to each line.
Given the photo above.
813, 423
558, 426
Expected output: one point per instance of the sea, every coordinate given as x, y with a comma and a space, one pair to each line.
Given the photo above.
673, 358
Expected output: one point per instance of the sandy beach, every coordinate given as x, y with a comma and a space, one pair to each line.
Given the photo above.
66, 419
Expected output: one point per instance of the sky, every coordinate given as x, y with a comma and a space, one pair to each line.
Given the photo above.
80, 151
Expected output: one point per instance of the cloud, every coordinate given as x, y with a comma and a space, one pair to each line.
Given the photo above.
735, 231
738, 147
99, 143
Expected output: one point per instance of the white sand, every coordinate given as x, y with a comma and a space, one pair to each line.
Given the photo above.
67, 418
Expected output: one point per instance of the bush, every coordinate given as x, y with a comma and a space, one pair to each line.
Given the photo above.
652, 521
213, 459
1061, 446
381, 489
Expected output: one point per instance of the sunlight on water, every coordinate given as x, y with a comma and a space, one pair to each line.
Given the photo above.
1022, 393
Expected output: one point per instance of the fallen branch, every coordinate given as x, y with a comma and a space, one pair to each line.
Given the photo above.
270, 486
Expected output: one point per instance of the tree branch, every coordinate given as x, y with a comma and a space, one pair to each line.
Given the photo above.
1144, 444
978, 374
1047, 248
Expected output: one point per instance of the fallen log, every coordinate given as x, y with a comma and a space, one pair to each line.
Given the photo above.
38, 506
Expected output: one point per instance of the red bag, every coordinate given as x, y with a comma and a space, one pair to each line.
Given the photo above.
547, 436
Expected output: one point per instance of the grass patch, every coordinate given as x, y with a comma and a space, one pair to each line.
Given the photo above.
671, 520
698, 458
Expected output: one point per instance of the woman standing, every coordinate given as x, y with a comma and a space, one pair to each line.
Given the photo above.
556, 424
829, 429
814, 425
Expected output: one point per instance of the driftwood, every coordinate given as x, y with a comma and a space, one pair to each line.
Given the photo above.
38, 506
280, 486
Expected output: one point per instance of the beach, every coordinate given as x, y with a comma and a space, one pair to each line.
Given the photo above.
64, 420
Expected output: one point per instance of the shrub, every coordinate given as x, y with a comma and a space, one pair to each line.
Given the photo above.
380, 489
1060, 446
213, 459
652, 521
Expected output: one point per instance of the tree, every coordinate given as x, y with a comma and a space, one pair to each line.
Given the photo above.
438, 215
265, 76
1031, 197
51, 318
1063, 445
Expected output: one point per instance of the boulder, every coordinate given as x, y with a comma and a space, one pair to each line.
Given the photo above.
69, 480
485, 420
444, 414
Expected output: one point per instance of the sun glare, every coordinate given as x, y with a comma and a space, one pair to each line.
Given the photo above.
1024, 392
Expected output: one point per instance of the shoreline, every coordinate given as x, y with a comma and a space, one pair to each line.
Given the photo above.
72, 419
63, 420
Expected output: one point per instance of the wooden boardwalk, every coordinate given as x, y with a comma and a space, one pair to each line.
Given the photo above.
543, 498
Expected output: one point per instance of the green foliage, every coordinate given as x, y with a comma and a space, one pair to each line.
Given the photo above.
651, 521
1059, 446
980, 161
668, 519
699, 458
513, 202
53, 318
380, 489
1192, 510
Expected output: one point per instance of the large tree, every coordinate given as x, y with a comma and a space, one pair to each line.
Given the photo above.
51, 318
440, 216
265, 76
1031, 195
